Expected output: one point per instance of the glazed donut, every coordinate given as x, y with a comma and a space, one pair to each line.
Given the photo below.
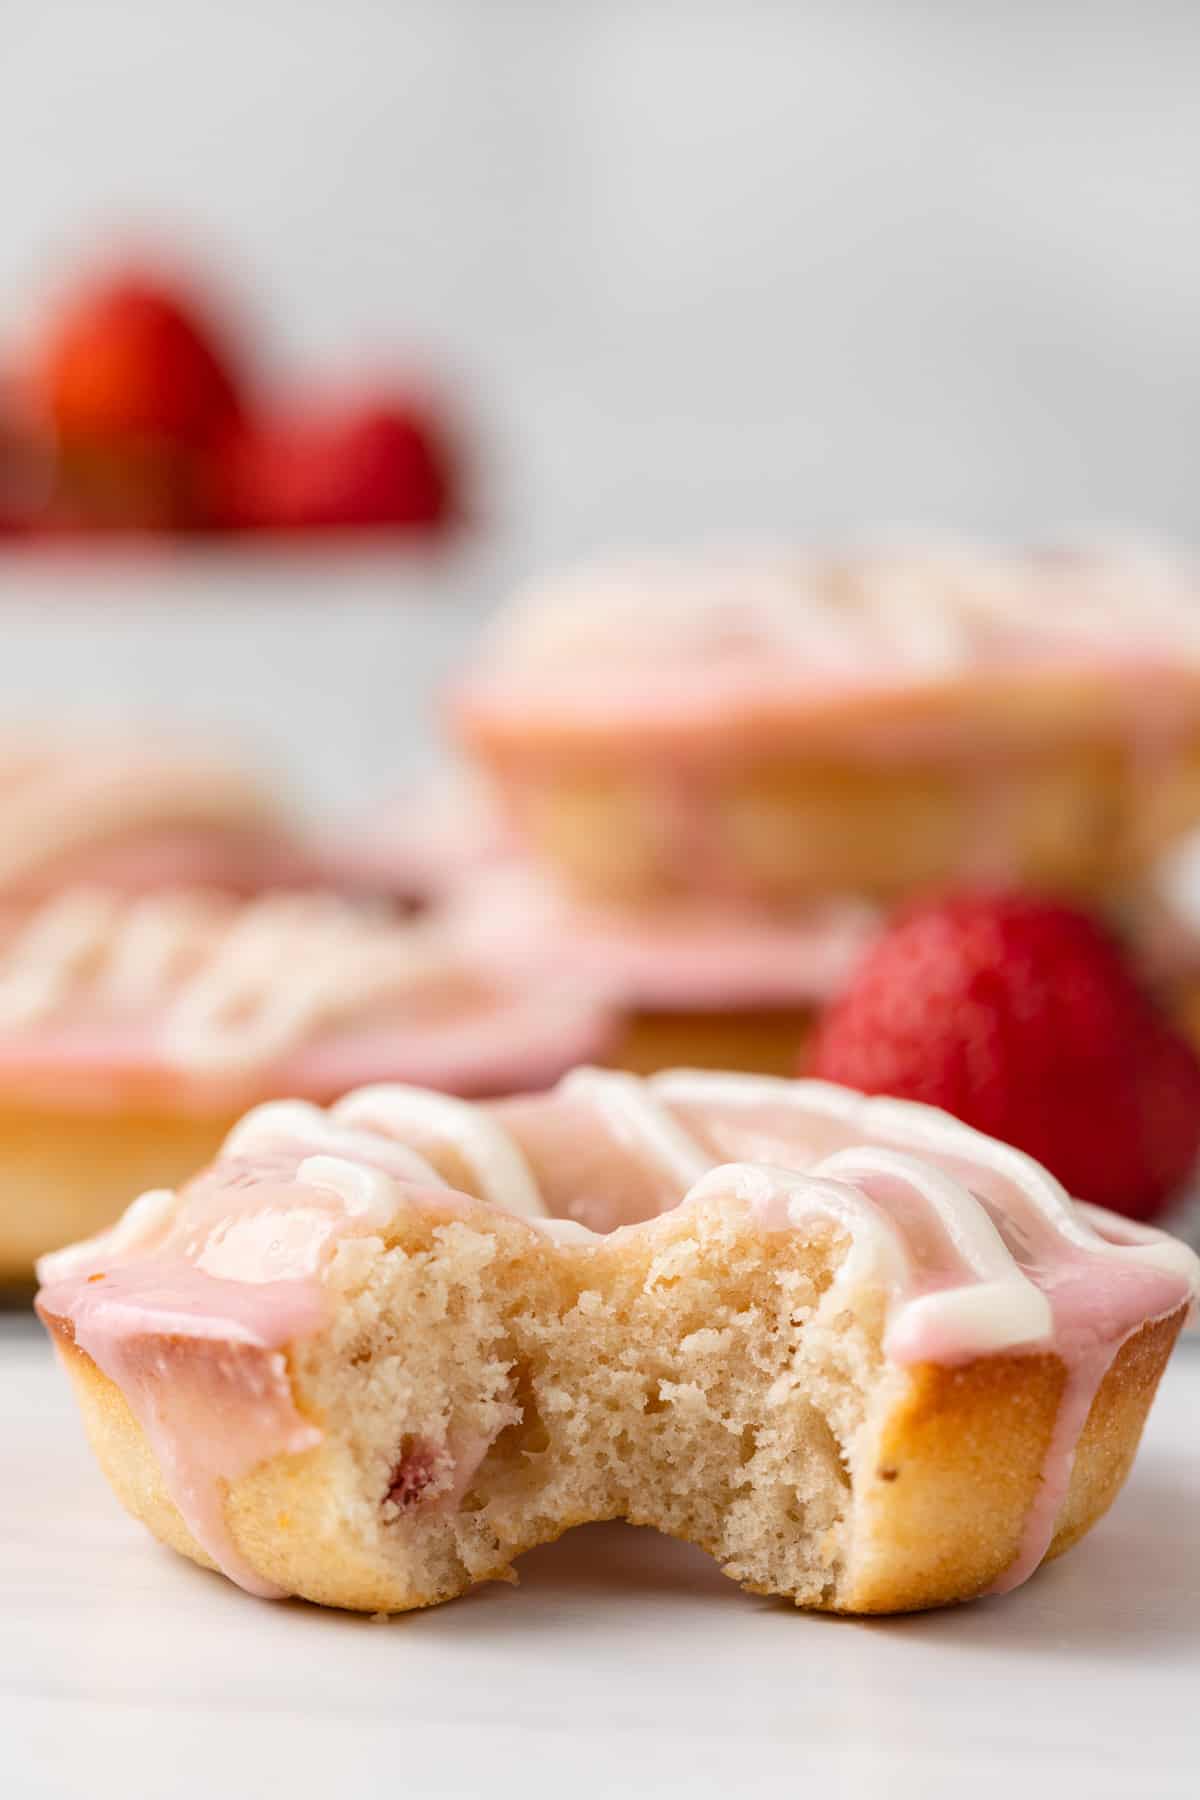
868, 1358
773, 727
135, 1031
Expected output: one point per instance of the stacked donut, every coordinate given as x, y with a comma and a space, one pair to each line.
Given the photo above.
722, 771
172, 951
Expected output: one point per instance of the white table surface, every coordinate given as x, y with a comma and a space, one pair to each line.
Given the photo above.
623, 1664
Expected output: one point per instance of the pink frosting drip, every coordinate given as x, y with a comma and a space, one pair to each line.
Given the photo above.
1096, 1308
189, 1307
1090, 1331
203, 1370
192, 1323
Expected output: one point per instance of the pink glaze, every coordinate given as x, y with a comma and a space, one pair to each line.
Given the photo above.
677, 653
189, 1305
670, 683
516, 1039
202, 1006
674, 688
421, 845
1095, 1301
213, 1403
137, 813
1090, 1302
193, 1319
1093, 1313
687, 955
1087, 1364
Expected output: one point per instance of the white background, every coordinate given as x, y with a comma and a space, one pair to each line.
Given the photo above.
753, 264
692, 268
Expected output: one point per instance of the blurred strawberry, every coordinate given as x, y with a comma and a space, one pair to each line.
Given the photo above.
382, 462
26, 465
139, 390
1021, 1017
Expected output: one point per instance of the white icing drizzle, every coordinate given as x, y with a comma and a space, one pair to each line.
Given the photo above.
567, 1231
144, 1221
994, 1305
151, 948
60, 796
784, 1197
366, 1193
1001, 1306
288, 1124
56, 954
356, 1151
231, 986
288, 965
912, 610
481, 1142
637, 1118
924, 1128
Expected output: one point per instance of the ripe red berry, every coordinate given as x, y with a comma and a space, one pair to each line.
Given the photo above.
137, 389
384, 462
1021, 1017
136, 358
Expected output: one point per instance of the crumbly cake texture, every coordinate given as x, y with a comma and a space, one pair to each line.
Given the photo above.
794, 1390
779, 726
789, 1452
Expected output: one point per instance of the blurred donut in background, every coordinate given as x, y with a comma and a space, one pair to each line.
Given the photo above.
137, 811
134, 1031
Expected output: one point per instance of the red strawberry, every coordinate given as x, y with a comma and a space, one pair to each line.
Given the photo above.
26, 466
134, 357
138, 388
1022, 1017
384, 462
